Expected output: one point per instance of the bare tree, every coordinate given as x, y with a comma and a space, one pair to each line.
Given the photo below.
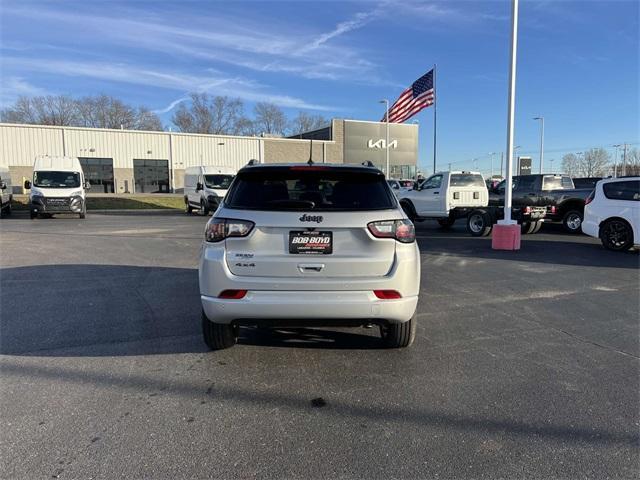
100, 111
571, 164
205, 114
147, 120
270, 118
304, 122
631, 162
246, 126
595, 162
592, 163
43, 110
22, 111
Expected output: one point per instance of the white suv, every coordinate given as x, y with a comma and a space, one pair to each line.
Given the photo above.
309, 245
612, 213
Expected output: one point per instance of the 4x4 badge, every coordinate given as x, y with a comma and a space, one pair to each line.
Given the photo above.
311, 218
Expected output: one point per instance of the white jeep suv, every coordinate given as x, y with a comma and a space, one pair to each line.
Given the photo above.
303, 245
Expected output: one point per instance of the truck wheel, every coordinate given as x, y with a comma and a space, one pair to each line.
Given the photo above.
528, 227
187, 206
6, 211
616, 235
399, 335
204, 209
409, 210
479, 224
538, 226
446, 222
572, 221
217, 336
32, 214
83, 215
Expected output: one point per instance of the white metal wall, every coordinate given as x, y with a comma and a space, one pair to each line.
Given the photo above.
20, 144
194, 150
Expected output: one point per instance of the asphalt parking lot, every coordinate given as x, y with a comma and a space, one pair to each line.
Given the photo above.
526, 364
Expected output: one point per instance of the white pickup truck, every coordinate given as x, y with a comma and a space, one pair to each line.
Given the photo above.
445, 196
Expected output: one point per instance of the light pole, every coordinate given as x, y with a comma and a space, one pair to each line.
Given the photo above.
492, 154
511, 104
615, 161
541, 141
386, 117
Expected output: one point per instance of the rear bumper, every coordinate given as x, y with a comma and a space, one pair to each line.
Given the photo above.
309, 307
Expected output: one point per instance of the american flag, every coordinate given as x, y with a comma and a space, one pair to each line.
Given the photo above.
419, 95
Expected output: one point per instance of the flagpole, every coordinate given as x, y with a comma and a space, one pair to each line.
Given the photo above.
435, 117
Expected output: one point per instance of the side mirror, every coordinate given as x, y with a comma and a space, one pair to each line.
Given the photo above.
87, 185
199, 186
3, 185
27, 185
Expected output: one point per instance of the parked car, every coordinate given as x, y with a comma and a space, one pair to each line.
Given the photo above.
612, 213
6, 191
58, 186
556, 193
585, 182
205, 186
309, 245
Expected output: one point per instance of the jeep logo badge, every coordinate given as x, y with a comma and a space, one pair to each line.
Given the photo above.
311, 218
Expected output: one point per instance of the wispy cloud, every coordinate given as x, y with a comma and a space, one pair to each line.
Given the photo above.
234, 41
211, 81
13, 87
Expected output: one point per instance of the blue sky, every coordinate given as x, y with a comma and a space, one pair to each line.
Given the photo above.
578, 62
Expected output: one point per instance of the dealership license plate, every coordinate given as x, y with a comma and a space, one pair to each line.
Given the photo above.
311, 242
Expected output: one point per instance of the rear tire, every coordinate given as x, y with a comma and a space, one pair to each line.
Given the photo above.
479, 223
32, 215
616, 235
218, 336
399, 335
572, 221
446, 223
187, 206
204, 209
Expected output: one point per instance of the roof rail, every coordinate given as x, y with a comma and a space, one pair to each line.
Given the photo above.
252, 162
368, 163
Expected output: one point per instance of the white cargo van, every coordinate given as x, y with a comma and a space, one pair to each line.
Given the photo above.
58, 187
6, 191
205, 187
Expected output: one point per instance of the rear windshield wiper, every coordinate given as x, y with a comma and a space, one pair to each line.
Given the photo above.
288, 203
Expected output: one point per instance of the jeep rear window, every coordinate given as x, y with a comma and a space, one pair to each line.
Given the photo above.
303, 189
466, 180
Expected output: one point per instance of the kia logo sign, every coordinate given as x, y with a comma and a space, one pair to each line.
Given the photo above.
382, 143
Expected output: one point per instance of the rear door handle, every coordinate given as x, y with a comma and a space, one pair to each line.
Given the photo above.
436, 193
310, 267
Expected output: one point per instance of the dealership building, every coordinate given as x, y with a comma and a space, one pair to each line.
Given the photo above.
132, 161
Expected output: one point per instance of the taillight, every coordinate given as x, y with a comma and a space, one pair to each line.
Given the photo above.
553, 209
218, 229
526, 209
401, 230
590, 197
387, 294
232, 294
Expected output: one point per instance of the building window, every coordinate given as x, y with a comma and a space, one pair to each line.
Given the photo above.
151, 176
99, 173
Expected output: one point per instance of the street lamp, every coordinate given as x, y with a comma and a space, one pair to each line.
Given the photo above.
386, 117
492, 154
541, 141
615, 162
